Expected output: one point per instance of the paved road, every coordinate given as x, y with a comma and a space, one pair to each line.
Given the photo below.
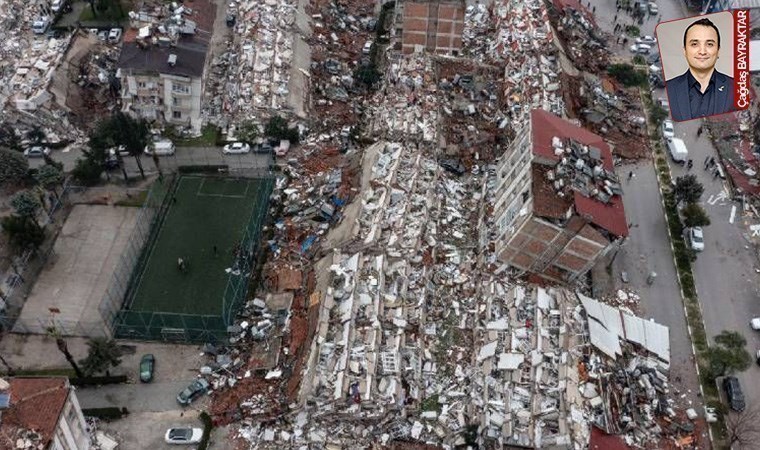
138, 397
648, 247
725, 272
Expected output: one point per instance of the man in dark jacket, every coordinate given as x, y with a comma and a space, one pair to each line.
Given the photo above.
702, 90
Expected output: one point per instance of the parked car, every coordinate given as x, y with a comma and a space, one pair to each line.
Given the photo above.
367, 49
236, 148
654, 58
648, 40
190, 393
664, 103
734, 394
183, 435
640, 49
114, 35
56, 5
668, 131
755, 323
696, 239
40, 24
38, 151
161, 148
757, 357
147, 363
653, 8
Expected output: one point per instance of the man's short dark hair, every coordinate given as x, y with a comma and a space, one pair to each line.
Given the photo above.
704, 23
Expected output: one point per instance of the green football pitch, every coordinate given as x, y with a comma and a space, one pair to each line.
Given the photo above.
204, 213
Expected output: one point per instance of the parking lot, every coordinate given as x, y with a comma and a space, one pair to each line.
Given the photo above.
146, 430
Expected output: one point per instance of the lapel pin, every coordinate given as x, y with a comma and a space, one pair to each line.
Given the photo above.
721, 88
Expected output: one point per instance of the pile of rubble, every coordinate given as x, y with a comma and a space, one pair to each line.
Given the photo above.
257, 64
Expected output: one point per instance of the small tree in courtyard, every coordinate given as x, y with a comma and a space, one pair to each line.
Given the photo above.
101, 356
26, 205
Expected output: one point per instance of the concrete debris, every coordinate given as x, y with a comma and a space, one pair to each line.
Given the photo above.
406, 328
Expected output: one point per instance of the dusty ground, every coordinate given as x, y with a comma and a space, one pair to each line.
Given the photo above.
80, 269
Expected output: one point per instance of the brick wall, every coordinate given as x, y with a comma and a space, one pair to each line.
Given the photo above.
437, 26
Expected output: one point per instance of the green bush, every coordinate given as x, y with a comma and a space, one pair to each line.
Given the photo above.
87, 172
633, 30
627, 75
208, 425
638, 59
108, 413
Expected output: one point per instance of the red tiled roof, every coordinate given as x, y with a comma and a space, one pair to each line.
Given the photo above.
546, 125
36, 404
610, 216
546, 203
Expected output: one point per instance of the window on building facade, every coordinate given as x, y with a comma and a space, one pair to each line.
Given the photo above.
526, 195
176, 101
177, 114
180, 88
141, 84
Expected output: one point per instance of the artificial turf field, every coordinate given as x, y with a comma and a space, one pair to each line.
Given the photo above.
207, 212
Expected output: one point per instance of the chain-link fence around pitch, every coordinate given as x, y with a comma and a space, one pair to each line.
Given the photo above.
212, 223
146, 225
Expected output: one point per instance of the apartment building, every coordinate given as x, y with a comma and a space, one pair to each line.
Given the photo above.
164, 81
558, 206
43, 412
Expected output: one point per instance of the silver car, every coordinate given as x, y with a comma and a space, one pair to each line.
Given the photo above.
183, 435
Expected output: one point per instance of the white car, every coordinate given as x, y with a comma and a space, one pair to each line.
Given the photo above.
647, 40
367, 49
56, 5
668, 131
697, 239
114, 35
755, 323
664, 103
37, 151
184, 435
641, 49
161, 148
236, 148
653, 8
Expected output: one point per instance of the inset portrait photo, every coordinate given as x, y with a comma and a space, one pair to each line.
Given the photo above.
698, 61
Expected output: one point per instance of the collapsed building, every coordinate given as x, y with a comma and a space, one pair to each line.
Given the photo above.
559, 206
435, 26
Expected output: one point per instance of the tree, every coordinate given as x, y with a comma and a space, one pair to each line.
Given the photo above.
23, 233
8, 137
248, 132
63, 347
26, 205
688, 189
695, 216
36, 135
657, 114
627, 75
101, 356
87, 171
121, 131
367, 74
49, 178
728, 355
744, 427
13, 166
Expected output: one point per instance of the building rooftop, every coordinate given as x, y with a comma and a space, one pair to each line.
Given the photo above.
582, 174
35, 404
148, 58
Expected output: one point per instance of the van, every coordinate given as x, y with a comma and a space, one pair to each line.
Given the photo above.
678, 150
163, 147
